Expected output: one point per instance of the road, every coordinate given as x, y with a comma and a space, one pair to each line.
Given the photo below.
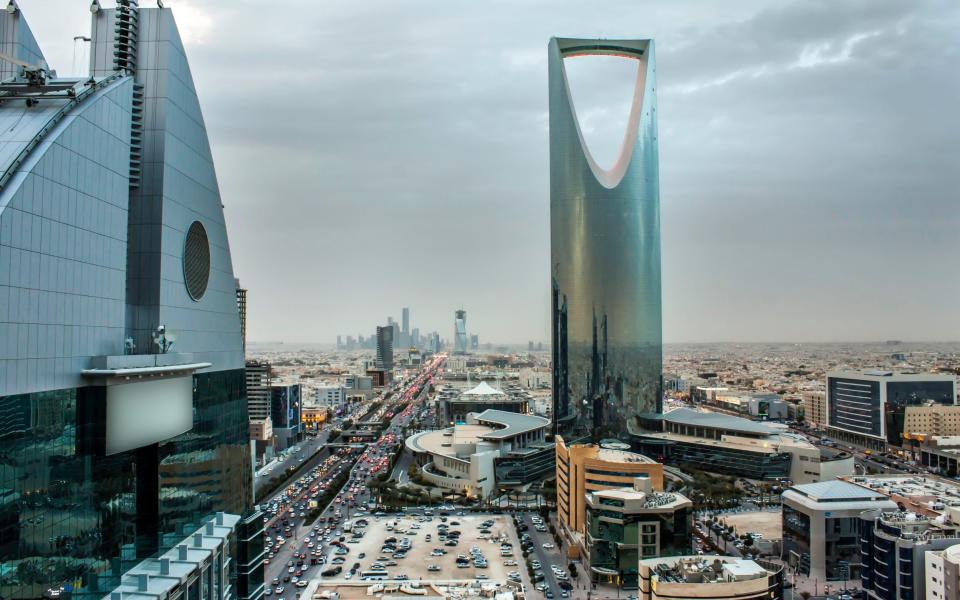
304, 451
547, 557
361, 473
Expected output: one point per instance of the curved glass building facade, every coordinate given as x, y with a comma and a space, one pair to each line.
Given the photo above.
123, 419
605, 254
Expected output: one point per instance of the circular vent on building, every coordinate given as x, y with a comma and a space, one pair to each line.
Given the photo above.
196, 260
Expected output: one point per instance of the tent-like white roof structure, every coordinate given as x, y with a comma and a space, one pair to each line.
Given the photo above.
484, 389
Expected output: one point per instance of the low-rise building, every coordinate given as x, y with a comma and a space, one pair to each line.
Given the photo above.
330, 396
731, 445
821, 524
815, 408
492, 450
624, 526
709, 578
869, 408
453, 405
586, 468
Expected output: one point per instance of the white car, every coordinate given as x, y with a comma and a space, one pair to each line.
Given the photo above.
548, 546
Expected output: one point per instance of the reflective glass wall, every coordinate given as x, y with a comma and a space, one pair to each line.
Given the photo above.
605, 250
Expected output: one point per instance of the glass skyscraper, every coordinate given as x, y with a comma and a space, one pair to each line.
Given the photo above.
605, 252
123, 420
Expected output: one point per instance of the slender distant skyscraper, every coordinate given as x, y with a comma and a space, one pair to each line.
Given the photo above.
605, 251
406, 321
385, 347
460, 332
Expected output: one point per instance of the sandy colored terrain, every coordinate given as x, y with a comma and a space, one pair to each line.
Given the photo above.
767, 524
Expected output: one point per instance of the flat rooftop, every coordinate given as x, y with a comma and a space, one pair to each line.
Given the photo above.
623, 456
697, 418
928, 493
699, 569
509, 424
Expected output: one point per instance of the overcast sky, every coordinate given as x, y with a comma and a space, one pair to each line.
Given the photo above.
386, 153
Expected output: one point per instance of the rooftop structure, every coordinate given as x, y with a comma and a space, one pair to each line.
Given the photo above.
454, 404
586, 468
491, 450
741, 447
624, 525
821, 524
713, 577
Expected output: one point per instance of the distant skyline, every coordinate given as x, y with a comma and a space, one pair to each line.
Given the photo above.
387, 154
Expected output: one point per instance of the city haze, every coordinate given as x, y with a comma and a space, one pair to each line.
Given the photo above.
387, 155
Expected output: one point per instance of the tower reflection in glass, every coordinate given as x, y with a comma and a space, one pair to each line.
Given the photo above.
605, 253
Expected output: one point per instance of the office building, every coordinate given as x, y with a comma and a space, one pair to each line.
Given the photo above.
931, 421
259, 378
242, 309
895, 552
453, 405
198, 566
605, 257
285, 413
921, 517
870, 408
385, 347
709, 578
585, 468
821, 524
627, 525
815, 408
491, 451
460, 332
121, 346
405, 331
474, 342
942, 573
358, 383
415, 340
721, 443
330, 396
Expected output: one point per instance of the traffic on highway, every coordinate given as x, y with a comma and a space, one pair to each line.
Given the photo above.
302, 521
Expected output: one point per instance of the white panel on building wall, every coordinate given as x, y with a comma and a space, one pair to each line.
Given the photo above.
146, 412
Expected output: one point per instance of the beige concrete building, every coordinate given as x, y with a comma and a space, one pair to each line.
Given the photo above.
942, 573
261, 430
815, 408
585, 468
709, 578
937, 420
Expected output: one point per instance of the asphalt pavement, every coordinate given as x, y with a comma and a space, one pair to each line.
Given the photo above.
278, 567
546, 557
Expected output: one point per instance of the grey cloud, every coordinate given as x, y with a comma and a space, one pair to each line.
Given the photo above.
380, 154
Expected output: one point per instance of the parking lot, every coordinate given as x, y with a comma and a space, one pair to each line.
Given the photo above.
478, 546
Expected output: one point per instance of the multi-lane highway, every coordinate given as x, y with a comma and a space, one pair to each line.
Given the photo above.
299, 551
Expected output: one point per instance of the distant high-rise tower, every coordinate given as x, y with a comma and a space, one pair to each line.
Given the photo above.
242, 308
259, 380
460, 332
385, 347
474, 342
405, 318
605, 255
